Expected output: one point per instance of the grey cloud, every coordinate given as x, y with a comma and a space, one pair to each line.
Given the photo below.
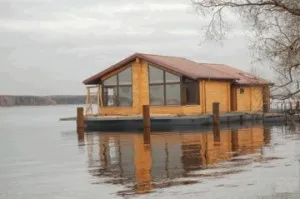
50, 46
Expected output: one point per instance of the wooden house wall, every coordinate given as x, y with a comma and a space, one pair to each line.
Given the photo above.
256, 98
217, 91
250, 100
243, 99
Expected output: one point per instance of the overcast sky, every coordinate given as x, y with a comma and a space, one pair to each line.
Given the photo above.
51, 46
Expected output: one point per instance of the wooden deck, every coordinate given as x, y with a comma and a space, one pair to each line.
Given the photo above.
173, 122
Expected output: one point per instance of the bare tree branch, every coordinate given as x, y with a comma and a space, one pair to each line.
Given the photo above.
276, 28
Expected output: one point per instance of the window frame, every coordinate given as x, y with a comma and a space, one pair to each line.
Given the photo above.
181, 84
242, 91
117, 86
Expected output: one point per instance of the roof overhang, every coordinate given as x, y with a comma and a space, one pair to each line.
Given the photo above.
95, 79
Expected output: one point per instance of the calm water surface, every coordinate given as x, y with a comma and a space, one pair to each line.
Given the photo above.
41, 157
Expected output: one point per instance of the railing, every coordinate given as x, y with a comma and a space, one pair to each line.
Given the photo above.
291, 106
93, 97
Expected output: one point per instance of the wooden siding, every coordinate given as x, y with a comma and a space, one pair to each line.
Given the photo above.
256, 98
217, 91
251, 100
243, 99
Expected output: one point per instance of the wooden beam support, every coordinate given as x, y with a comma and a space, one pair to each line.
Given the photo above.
80, 118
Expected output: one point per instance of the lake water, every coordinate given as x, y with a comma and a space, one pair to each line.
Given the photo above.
41, 157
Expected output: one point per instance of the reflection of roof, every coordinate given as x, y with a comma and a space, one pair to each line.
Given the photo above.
185, 67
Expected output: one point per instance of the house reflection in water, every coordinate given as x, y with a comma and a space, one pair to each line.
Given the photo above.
124, 159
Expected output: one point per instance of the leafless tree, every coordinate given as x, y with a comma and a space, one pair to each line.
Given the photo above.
275, 25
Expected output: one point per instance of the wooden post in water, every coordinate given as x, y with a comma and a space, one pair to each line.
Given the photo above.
80, 136
80, 118
146, 123
216, 121
80, 125
216, 113
241, 119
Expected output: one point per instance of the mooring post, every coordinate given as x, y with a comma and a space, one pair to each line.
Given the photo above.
216, 113
80, 136
80, 118
147, 124
80, 125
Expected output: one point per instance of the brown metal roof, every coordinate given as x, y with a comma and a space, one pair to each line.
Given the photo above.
244, 78
180, 65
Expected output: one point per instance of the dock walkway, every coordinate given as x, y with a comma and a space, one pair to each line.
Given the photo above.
171, 123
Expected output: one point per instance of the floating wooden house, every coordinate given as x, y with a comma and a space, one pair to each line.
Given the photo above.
176, 86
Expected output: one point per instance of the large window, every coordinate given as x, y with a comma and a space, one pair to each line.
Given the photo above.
169, 89
117, 90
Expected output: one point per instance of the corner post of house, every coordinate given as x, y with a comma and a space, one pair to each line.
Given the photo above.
87, 100
99, 98
251, 100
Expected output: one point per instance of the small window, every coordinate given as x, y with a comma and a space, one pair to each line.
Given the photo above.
170, 78
110, 96
125, 96
157, 94
242, 91
112, 81
173, 94
156, 75
125, 77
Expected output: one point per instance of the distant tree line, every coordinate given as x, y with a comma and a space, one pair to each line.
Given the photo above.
10, 100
